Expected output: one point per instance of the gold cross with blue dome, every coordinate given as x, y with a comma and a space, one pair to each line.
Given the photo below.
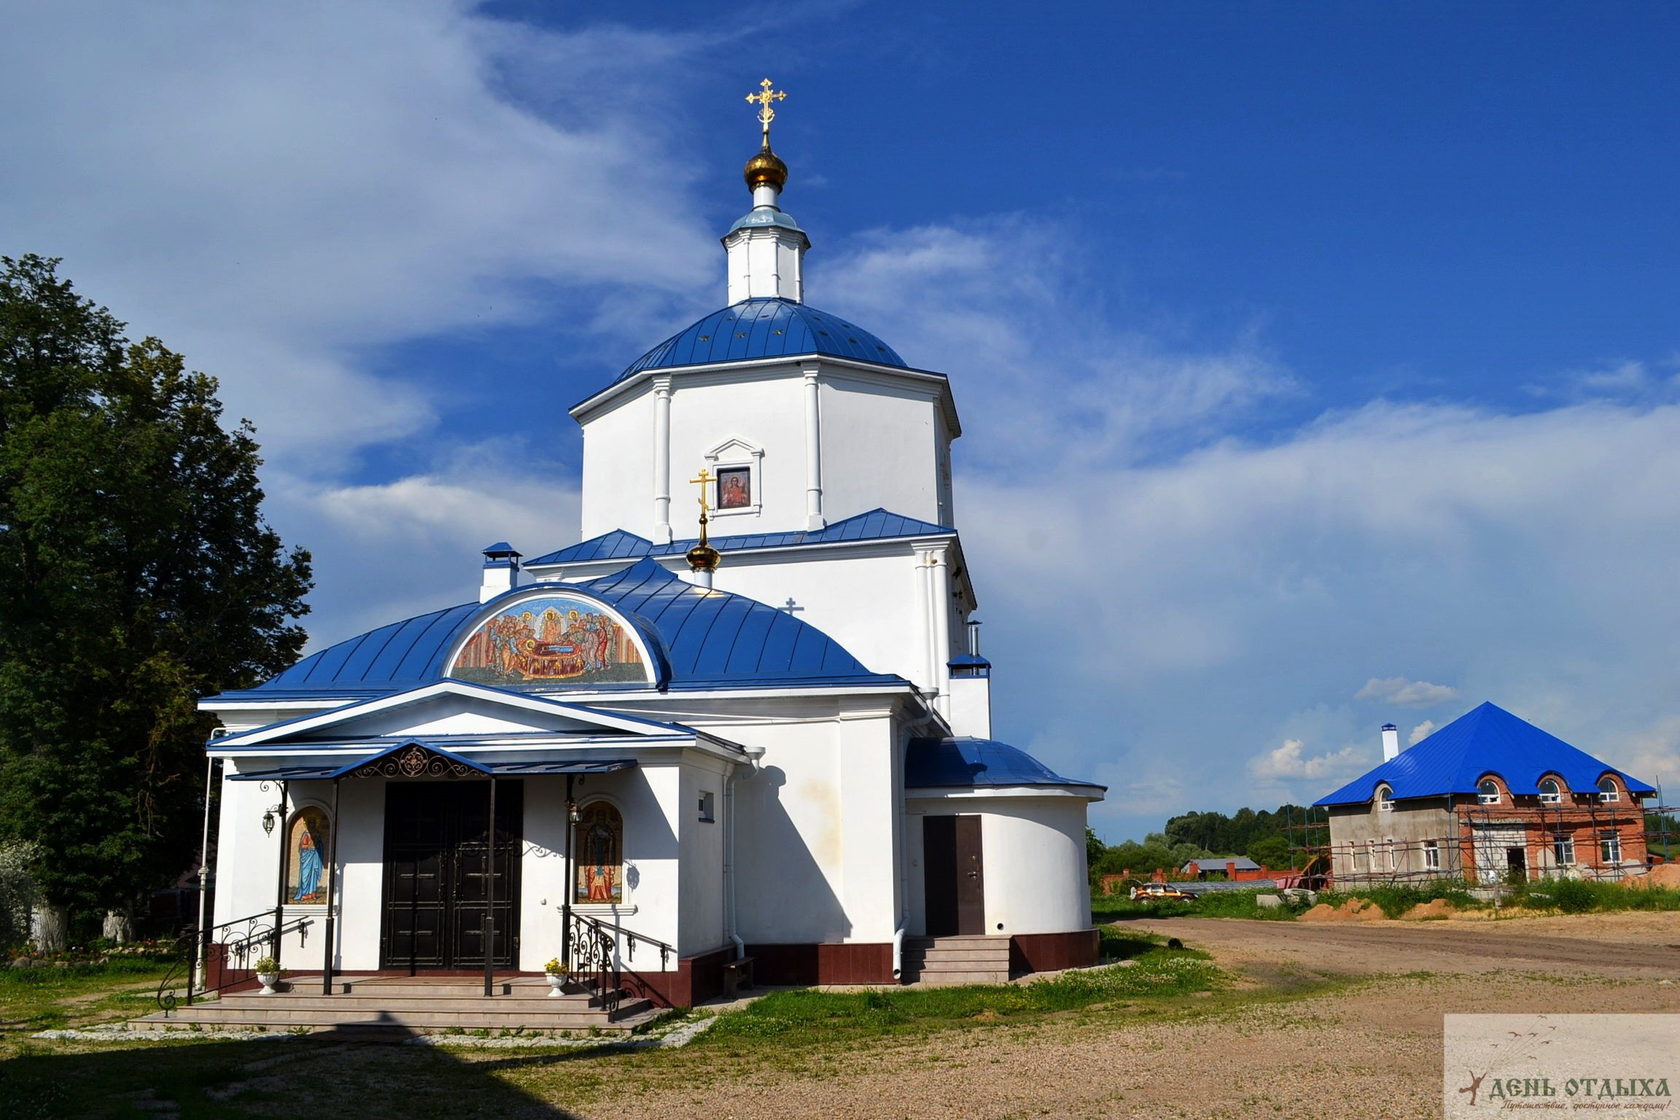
763, 99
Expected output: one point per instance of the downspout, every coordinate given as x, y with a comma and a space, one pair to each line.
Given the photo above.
898, 949
729, 909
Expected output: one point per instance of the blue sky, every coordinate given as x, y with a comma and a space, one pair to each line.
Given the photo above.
1318, 364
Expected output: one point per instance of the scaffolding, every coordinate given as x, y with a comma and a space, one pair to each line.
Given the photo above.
1582, 836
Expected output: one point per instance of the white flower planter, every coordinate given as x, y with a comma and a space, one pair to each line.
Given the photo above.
268, 980
556, 981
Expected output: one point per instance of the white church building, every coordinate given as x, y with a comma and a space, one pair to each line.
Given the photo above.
765, 736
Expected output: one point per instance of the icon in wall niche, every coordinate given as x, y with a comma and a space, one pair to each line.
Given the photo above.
734, 487
306, 849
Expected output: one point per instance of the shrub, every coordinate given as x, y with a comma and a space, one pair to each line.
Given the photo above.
1573, 896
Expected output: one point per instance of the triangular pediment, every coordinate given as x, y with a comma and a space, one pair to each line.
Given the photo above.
450, 709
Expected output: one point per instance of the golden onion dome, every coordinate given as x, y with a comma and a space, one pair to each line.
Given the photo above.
765, 168
704, 558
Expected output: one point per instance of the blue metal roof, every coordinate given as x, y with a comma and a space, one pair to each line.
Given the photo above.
706, 639
877, 524
1486, 740
765, 328
967, 763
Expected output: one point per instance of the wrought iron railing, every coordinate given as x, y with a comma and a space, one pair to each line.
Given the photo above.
601, 954
243, 941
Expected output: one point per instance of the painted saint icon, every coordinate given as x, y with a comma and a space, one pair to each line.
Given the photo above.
600, 855
734, 488
306, 878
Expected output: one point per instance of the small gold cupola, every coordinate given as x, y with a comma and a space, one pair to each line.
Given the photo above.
703, 559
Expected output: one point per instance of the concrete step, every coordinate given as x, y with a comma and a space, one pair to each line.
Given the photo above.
962, 959
961, 956
963, 976
631, 1014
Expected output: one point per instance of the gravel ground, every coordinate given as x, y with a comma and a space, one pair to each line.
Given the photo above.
1371, 1048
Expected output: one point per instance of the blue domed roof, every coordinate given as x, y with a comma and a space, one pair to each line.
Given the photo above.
765, 328
704, 639
969, 763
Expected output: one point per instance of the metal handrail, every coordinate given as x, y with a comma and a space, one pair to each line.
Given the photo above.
265, 928
597, 960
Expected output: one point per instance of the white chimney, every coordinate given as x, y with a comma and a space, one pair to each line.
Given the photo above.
1391, 742
501, 571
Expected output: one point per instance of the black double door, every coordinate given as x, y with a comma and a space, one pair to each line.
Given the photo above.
445, 870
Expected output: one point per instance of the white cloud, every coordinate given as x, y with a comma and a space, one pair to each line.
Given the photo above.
1406, 693
1290, 761
1205, 583
1421, 732
275, 190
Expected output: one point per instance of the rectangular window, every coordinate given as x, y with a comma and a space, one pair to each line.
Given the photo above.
1393, 857
1432, 855
1609, 847
1563, 849
707, 804
1371, 855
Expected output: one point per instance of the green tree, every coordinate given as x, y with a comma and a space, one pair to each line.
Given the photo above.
1270, 851
136, 576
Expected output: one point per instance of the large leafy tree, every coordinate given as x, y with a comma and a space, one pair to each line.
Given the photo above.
136, 575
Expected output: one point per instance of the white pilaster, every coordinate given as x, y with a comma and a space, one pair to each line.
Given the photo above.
940, 581
924, 604
813, 452
662, 460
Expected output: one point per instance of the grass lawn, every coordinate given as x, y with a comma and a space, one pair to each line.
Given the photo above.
796, 1029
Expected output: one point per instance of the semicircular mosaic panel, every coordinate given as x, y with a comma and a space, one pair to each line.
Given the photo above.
549, 640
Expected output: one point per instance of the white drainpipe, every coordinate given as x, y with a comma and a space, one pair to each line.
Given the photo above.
753, 755
898, 951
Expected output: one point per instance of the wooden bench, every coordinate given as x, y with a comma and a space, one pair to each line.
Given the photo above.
737, 974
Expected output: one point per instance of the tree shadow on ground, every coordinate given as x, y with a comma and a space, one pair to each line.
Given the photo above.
359, 1070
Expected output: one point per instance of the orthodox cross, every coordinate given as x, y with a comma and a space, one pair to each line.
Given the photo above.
790, 607
705, 484
765, 113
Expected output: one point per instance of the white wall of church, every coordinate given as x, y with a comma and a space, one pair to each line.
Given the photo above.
1033, 855
618, 469
700, 845
881, 444
890, 636
818, 842
879, 448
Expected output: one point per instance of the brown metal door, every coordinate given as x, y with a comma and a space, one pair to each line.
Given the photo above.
953, 876
438, 870
971, 877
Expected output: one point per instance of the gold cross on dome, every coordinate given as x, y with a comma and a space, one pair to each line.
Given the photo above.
763, 99
705, 484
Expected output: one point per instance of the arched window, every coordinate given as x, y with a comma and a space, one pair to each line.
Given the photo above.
307, 875
1550, 792
598, 849
1607, 790
1487, 792
1384, 799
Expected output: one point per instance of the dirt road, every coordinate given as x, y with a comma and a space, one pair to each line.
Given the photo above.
1368, 1049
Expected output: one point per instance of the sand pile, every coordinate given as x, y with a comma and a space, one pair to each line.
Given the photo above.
1354, 909
1434, 909
1662, 875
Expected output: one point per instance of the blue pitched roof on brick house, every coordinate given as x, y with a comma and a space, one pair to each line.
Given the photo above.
1487, 740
